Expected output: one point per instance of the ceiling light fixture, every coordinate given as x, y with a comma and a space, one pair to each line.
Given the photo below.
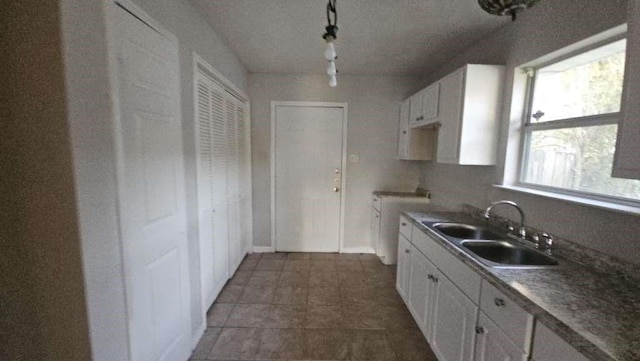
330, 36
506, 7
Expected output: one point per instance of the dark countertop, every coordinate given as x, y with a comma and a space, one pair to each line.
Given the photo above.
596, 312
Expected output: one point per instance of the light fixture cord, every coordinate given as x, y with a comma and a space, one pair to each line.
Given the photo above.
331, 8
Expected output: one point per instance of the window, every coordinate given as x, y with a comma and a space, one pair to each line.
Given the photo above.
571, 126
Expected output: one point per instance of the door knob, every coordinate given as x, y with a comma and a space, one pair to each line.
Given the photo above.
336, 189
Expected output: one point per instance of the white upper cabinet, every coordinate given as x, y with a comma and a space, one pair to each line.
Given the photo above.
413, 143
469, 113
424, 106
627, 156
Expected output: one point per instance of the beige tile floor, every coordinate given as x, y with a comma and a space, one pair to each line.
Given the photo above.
311, 306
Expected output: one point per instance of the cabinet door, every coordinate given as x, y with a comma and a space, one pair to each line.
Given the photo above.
375, 229
430, 99
403, 130
494, 345
547, 346
454, 321
451, 90
422, 291
404, 264
626, 163
415, 113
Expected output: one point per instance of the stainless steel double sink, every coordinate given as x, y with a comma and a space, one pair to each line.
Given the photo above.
491, 248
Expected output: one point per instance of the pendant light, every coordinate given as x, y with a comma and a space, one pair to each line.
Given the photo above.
506, 7
330, 36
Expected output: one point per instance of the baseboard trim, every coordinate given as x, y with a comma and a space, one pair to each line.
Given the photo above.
258, 249
197, 336
357, 250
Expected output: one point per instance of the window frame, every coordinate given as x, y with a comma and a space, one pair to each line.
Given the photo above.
528, 127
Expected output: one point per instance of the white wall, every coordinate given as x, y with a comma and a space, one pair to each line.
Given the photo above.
548, 26
372, 135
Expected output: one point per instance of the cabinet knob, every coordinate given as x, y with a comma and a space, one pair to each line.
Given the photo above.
499, 302
404, 132
407, 251
403, 224
336, 189
430, 277
479, 330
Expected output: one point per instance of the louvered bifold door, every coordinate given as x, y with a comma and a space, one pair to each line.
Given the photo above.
204, 185
231, 122
219, 189
244, 159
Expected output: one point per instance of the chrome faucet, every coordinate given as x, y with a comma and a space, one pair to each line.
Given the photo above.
521, 231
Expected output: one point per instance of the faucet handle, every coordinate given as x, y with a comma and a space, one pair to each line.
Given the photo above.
536, 240
522, 232
547, 241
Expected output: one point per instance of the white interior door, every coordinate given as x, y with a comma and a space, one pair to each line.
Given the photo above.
308, 163
151, 189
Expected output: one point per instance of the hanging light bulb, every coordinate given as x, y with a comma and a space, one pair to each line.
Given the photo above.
331, 69
330, 53
330, 36
333, 81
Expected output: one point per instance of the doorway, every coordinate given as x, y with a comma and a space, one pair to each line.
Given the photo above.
308, 158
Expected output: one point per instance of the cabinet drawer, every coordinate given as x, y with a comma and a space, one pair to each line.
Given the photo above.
405, 227
377, 203
466, 279
511, 318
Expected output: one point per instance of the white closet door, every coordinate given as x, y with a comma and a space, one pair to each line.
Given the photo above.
151, 189
224, 182
233, 196
244, 158
204, 156
219, 189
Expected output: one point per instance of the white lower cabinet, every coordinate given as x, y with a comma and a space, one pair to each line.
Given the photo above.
454, 321
462, 316
492, 344
402, 275
385, 210
423, 291
446, 315
375, 228
548, 346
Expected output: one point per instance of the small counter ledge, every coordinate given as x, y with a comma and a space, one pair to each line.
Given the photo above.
598, 313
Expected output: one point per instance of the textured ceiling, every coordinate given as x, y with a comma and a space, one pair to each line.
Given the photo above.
384, 37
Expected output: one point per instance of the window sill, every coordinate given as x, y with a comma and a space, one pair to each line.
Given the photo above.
608, 206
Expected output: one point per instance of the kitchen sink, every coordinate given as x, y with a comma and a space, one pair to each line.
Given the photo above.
508, 254
467, 231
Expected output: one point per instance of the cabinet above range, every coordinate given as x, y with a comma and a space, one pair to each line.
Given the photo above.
462, 110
